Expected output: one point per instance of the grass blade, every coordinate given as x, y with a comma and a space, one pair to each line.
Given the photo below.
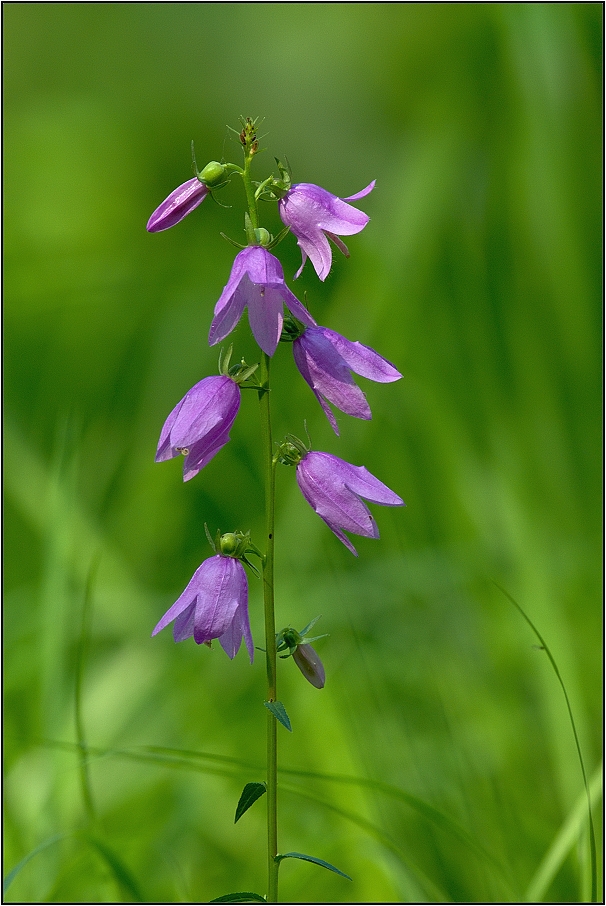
545, 647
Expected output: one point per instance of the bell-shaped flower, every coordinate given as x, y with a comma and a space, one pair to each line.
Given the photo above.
313, 214
178, 205
199, 425
256, 281
334, 489
326, 360
213, 606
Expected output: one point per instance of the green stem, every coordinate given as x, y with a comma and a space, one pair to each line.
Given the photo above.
250, 192
270, 635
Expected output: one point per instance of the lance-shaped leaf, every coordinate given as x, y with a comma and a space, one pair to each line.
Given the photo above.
313, 859
279, 712
250, 794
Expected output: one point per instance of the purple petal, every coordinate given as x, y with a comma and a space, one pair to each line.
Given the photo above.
364, 192
362, 482
218, 598
265, 314
322, 485
363, 359
239, 628
184, 600
212, 401
200, 423
328, 375
177, 206
184, 624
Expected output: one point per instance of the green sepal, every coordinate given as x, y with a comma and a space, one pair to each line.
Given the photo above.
276, 239
279, 712
244, 897
313, 859
250, 794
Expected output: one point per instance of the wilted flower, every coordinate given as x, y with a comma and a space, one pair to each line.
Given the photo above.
199, 425
296, 644
310, 665
213, 606
334, 489
256, 281
178, 205
312, 214
326, 360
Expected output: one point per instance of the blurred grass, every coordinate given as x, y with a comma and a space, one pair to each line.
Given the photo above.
479, 276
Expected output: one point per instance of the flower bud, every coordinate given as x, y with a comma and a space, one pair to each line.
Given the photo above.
212, 174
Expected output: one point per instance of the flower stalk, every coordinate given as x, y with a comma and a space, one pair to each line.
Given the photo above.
270, 632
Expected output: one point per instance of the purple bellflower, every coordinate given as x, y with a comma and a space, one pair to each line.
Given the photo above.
213, 606
334, 489
256, 281
178, 205
199, 425
326, 360
313, 214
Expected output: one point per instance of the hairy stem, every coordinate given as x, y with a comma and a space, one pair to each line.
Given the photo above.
270, 634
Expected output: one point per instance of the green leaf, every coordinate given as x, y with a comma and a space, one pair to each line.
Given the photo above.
250, 794
122, 875
279, 712
8, 880
315, 861
245, 897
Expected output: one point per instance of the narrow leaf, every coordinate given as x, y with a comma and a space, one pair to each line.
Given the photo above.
122, 875
10, 877
245, 897
279, 712
250, 794
315, 861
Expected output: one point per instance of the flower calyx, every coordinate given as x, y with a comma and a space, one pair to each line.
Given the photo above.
240, 372
289, 639
291, 330
291, 451
236, 545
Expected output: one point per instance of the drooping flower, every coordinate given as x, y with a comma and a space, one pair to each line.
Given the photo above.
310, 665
213, 606
312, 214
256, 281
199, 425
178, 205
334, 489
326, 360
296, 644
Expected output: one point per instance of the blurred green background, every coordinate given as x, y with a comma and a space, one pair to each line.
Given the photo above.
479, 275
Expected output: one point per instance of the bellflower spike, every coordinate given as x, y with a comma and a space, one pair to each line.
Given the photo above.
178, 205
334, 489
256, 281
326, 360
199, 425
313, 214
213, 606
